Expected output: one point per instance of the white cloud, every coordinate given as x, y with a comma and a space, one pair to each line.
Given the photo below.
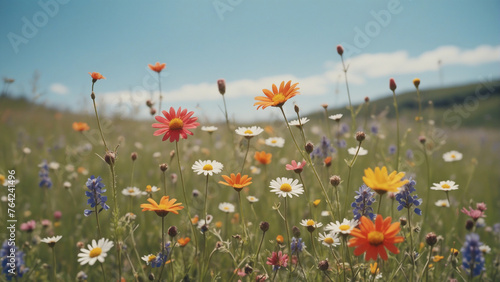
59, 88
361, 68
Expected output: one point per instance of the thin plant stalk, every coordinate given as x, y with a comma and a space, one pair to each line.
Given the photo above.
307, 196
54, 263
314, 247
260, 245
246, 154
243, 224
349, 95
103, 272
97, 219
164, 178
97, 117
349, 177
205, 217
161, 96
411, 245
397, 129
162, 246
288, 234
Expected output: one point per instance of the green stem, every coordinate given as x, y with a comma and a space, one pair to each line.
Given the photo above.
97, 117
162, 246
164, 183
258, 249
412, 257
307, 196
243, 224
427, 196
97, 216
288, 235
54, 265
134, 245
103, 272
353, 127
397, 129
246, 154
227, 119
161, 96
379, 203
314, 247
349, 177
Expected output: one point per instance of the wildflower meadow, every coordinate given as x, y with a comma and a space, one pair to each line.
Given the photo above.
362, 193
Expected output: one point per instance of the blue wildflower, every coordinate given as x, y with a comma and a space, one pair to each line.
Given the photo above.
12, 261
95, 186
297, 245
344, 128
374, 129
159, 260
392, 150
472, 257
323, 150
362, 204
409, 154
45, 180
341, 143
406, 200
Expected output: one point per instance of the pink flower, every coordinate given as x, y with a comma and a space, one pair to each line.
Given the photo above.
28, 226
57, 215
474, 214
277, 260
175, 125
296, 167
46, 223
481, 206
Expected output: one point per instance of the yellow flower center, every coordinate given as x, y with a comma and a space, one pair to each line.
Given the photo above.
285, 187
208, 167
452, 156
248, 131
328, 240
131, 190
162, 207
148, 188
444, 204
274, 141
2, 178
95, 252
310, 222
175, 124
344, 227
151, 257
445, 186
375, 238
279, 99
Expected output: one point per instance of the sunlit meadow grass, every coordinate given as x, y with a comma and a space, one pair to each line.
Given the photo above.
224, 247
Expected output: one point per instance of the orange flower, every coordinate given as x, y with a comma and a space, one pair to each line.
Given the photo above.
327, 161
183, 241
277, 98
374, 238
280, 239
80, 126
263, 157
236, 181
157, 67
166, 205
195, 219
96, 76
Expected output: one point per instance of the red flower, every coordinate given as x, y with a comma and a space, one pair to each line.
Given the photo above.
96, 76
296, 167
375, 238
277, 260
157, 67
175, 124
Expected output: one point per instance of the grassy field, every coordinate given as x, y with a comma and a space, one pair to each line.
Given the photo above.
460, 118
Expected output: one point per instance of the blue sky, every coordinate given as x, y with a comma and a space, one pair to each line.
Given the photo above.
250, 43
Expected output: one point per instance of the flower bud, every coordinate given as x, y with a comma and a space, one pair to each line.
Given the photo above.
219, 245
309, 147
149, 103
80, 244
152, 111
360, 136
151, 277
403, 221
133, 156
422, 139
110, 158
340, 50
92, 95
323, 265
325, 106
296, 232
392, 84
296, 108
264, 226
172, 231
248, 269
416, 82
431, 239
469, 225
335, 180
163, 167
221, 83
367, 99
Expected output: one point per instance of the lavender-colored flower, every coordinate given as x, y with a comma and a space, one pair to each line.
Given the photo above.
45, 180
392, 150
496, 229
95, 186
323, 150
374, 129
341, 143
472, 257
18, 261
344, 128
297, 245
406, 200
362, 205
409, 154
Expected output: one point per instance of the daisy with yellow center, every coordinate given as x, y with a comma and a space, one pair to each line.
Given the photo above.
209, 129
452, 156
329, 239
150, 189
275, 142
310, 224
252, 199
345, 227
148, 258
284, 187
277, 97
442, 203
381, 182
96, 251
226, 207
249, 132
298, 123
447, 185
207, 167
131, 191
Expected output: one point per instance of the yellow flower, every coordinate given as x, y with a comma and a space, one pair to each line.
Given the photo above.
374, 269
437, 258
316, 202
381, 182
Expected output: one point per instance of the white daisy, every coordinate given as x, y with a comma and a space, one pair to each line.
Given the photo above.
132, 191
254, 170
150, 189
26, 150
353, 150
96, 251
336, 117
202, 222
54, 165
442, 203
296, 123
226, 207
485, 249
283, 187
67, 184
329, 239
69, 168
209, 129
156, 155
445, 186
51, 240
252, 199
452, 156
207, 167
325, 213
311, 224
138, 145
148, 258
249, 132
345, 227
275, 142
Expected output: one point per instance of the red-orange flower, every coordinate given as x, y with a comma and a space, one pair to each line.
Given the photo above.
277, 97
175, 124
80, 126
183, 241
96, 76
375, 238
236, 181
157, 67
263, 157
166, 205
